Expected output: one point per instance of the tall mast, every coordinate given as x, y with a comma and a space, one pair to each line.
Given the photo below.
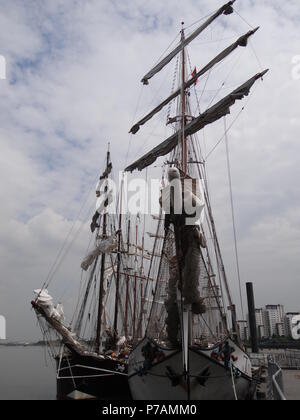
186, 313
142, 278
127, 282
118, 266
183, 106
101, 291
135, 284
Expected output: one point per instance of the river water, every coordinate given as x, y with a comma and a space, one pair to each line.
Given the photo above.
26, 373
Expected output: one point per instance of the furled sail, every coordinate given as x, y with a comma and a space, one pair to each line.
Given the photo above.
241, 42
46, 302
106, 246
217, 111
226, 10
55, 321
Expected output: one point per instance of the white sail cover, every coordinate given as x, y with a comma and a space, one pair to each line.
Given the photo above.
105, 247
58, 312
45, 301
43, 296
181, 197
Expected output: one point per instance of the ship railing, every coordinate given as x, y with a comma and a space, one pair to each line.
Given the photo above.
276, 387
287, 359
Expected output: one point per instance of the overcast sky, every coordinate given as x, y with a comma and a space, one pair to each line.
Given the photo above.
73, 84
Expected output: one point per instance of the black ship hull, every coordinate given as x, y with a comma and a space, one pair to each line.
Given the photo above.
92, 377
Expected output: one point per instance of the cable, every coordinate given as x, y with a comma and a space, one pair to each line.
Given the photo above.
231, 125
256, 56
221, 139
233, 218
173, 87
67, 250
166, 50
52, 268
226, 78
233, 383
243, 19
135, 112
200, 20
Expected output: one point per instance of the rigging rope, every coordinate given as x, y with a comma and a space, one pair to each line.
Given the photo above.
231, 125
167, 49
139, 99
195, 91
52, 270
208, 327
256, 56
213, 41
227, 77
233, 218
67, 250
200, 20
173, 87
243, 19
233, 383
208, 75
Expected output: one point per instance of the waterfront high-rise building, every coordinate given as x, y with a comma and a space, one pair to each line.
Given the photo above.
260, 326
288, 319
244, 330
274, 320
270, 321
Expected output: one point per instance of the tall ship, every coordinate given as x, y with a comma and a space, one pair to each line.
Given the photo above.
91, 350
191, 349
155, 317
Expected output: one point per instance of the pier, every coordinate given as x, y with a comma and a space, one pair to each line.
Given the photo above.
291, 383
278, 374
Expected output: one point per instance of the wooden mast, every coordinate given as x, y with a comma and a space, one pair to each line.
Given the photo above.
183, 107
127, 283
135, 285
186, 313
117, 298
141, 287
101, 291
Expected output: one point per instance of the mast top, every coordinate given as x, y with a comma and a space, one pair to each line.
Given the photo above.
226, 9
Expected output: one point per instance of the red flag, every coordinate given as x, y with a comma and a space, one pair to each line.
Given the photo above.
194, 74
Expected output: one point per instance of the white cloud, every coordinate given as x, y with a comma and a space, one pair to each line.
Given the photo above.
74, 71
